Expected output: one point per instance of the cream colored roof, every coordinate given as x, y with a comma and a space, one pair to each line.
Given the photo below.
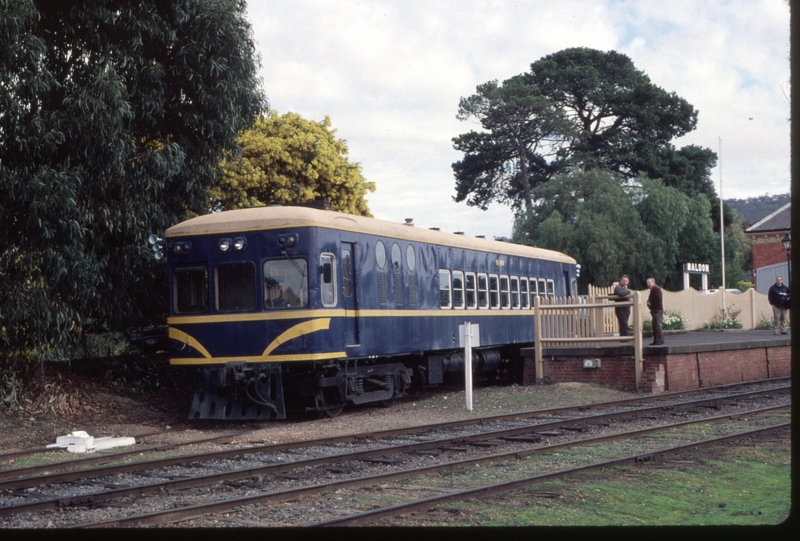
265, 218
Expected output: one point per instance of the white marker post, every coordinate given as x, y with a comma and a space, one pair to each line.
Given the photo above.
469, 336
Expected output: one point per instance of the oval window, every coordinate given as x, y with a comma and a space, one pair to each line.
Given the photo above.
411, 258
396, 256
380, 254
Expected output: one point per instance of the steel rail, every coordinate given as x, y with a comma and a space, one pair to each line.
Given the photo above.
20, 482
420, 505
196, 511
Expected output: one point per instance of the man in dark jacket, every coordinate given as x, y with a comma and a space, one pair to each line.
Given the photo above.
779, 296
623, 312
655, 303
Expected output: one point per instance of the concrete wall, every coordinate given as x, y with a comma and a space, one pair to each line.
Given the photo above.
699, 308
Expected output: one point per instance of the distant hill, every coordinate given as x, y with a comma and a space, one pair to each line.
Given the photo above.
753, 209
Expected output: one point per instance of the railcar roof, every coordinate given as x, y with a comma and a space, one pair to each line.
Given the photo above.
266, 218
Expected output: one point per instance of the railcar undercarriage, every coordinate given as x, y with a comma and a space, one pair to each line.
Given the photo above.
248, 391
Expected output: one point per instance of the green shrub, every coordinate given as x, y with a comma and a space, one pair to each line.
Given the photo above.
725, 321
744, 286
765, 324
673, 320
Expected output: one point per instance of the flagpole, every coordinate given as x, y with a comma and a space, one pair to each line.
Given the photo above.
722, 230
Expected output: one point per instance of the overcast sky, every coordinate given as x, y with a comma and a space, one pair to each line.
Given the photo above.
389, 74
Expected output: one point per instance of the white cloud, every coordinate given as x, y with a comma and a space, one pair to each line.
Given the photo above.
390, 74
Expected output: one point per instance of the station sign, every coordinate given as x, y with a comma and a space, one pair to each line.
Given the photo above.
697, 268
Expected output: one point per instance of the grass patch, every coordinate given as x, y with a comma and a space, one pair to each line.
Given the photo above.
738, 486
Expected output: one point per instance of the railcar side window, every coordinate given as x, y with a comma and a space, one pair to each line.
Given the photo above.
327, 279
483, 291
411, 258
458, 289
347, 274
190, 290
380, 254
523, 293
494, 291
542, 287
574, 287
398, 277
472, 299
235, 286
505, 299
411, 263
380, 260
514, 292
444, 288
551, 288
285, 283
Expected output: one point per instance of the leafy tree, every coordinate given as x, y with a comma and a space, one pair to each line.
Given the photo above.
682, 223
113, 118
621, 120
508, 159
288, 159
643, 230
577, 108
590, 216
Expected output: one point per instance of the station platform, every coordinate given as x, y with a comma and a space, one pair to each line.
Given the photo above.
687, 360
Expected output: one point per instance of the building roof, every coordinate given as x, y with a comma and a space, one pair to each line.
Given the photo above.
779, 220
266, 218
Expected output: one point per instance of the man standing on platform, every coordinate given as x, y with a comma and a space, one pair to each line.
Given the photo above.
778, 297
655, 303
623, 312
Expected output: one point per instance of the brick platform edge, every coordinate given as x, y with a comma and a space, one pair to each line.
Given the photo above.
665, 372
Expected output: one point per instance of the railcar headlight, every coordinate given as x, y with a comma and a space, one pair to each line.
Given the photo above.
239, 244
224, 245
287, 241
180, 248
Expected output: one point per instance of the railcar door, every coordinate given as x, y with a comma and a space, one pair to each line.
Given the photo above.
349, 284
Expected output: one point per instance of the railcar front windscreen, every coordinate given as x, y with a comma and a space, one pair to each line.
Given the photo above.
285, 283
190, 290
236, 286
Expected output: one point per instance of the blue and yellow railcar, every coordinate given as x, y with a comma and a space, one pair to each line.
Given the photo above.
298, 307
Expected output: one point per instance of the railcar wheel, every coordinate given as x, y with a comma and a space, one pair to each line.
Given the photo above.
386, 403
327, 404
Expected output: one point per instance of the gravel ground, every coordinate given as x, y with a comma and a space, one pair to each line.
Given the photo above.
107, 409
444, 404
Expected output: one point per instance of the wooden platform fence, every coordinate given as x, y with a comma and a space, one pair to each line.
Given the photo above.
561, 322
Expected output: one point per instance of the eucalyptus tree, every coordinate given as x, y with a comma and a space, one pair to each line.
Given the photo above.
114, 116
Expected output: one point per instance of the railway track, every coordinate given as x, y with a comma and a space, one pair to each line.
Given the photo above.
81, 463
515, 437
